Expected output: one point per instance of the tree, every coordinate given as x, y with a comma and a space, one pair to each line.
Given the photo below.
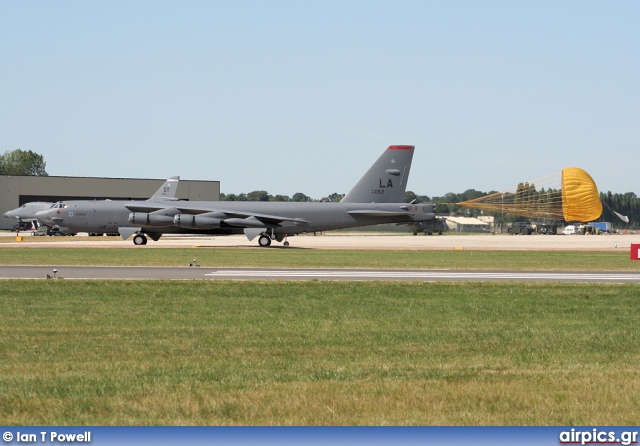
258, 195
21, 162
409, 196
299, 196
333, 197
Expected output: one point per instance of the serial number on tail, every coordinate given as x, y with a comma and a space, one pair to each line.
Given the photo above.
377, 191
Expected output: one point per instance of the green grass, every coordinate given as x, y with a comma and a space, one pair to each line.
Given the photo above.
515, 260
199, 352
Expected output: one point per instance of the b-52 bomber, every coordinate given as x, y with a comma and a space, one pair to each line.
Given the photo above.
375, 199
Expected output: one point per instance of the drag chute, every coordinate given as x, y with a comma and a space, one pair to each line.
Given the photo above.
570, 195
580, 200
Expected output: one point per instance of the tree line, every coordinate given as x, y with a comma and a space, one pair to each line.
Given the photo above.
626, 204
21, 162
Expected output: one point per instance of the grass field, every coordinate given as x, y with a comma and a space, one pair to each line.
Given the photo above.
316, 353
467, 259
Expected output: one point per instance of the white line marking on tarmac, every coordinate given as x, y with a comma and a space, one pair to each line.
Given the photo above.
424, 275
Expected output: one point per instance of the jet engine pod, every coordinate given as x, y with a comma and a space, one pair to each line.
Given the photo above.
144, 219
195, 221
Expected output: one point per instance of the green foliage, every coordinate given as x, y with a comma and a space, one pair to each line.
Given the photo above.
21, 162
446, 203
626, 204
333, 197
258, 195
299, 196
409, 196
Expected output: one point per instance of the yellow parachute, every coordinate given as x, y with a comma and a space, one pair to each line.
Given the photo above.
571, 195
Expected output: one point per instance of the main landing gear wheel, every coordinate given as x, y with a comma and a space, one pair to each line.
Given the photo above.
139, 239
264, 241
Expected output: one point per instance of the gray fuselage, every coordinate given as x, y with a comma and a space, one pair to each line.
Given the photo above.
109, 216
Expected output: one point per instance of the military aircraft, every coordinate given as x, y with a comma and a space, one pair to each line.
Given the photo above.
375, 199
97, 216
26, 214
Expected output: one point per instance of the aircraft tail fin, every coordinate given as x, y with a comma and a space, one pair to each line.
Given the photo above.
386, 180
168, 190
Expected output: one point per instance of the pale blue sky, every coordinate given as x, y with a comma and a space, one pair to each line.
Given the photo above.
303, 96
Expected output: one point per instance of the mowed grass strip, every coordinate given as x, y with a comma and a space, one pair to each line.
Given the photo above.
318, 353
308, 258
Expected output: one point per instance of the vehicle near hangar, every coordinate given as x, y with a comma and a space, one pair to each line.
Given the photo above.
438, 225
528, 228
602, 226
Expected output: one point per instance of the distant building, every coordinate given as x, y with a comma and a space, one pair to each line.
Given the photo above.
467, 224
18, 190
487, 219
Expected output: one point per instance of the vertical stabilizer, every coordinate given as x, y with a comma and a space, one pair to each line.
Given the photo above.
386, 180
168, 190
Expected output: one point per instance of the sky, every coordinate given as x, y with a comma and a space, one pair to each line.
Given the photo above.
303, 96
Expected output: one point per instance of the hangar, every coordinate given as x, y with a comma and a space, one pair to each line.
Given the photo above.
18, 190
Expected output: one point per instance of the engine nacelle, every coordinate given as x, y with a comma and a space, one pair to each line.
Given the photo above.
195, 221
145, 219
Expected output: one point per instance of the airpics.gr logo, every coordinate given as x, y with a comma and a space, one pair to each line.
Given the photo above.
595, 436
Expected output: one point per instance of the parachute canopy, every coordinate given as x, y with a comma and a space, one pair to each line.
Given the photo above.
571, 195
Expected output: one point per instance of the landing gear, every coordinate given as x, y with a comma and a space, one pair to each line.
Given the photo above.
139, 239
267, 237
264, 241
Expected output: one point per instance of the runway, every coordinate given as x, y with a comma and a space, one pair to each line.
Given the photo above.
349, 240
186, 273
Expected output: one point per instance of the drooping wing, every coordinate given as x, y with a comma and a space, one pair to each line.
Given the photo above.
376, 213
233, 218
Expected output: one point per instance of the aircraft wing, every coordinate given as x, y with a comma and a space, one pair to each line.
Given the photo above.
237, 218
233, 218
375, 213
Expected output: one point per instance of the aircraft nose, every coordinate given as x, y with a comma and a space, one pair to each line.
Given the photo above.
7, 214
43, 216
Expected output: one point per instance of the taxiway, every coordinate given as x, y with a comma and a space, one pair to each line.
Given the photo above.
195, 273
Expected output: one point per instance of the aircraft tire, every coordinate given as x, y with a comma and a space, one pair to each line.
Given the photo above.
139, 239
264, 241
